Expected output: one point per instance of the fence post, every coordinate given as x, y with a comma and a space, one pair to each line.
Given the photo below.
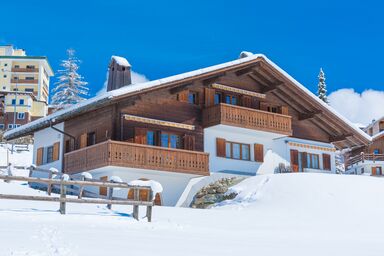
149, 207
362, 157
81, 188
136, 197
49, 186
63, 193
110, 194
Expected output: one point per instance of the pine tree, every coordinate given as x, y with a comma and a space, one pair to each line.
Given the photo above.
70, 88
322, 87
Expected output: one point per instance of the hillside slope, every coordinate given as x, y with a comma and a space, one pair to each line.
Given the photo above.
288, 214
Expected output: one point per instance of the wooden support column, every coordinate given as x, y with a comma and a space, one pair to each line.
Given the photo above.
149, 207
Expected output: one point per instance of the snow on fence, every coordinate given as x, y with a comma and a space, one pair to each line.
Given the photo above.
65, 180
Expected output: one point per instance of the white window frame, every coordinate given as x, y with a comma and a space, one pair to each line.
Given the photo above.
19, 115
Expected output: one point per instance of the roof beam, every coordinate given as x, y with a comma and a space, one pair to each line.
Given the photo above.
340, 137
247, 70
309, 115
210, 80
180, 88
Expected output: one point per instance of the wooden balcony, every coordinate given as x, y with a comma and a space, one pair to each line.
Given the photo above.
24, 81
247, 118
124, 154
360, 159
32, 70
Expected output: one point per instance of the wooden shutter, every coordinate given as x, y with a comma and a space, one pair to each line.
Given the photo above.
326, 162
304, 160
140, 135
373, 170
56, 151
259, 152
209, 95
39, 156
220, 147
263, 106
83, 140
246, 101
295, 160
284, 110
189, 142
183, 96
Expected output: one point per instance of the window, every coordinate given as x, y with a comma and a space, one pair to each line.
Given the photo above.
192, 98
151, 138
13, 102
21, 101
5, 64
21, 115
91, 138
10, 126
49, 154
5, 76
30, 67
2, 126
170, 140
237, 150
15, 78
17, 66
230, 99
29, 78
272, 109
29, 89
376, 151
313, 161
217, 98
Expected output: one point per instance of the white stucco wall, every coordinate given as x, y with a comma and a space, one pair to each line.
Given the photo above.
367, 166
276, 150
47, 137
173, 183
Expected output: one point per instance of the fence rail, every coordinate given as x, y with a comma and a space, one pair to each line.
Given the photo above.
63, 199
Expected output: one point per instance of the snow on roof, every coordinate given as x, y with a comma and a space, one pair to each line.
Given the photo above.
121, 61
135, 88
244, 54
378, 135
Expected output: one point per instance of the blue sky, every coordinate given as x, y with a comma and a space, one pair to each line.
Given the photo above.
162, 38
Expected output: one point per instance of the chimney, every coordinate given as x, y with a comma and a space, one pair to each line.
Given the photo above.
119, 73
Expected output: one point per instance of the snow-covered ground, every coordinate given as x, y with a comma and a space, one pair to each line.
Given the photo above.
281, 214
22, 158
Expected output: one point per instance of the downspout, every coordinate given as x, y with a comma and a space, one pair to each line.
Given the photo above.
62, 132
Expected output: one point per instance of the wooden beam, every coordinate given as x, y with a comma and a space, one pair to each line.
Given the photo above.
179, 88
340, 137
158, 122
289, 103
309, 115
210, 80
247, 70
237, 90
272, 87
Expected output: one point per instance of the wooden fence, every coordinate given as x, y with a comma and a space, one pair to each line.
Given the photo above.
63, 184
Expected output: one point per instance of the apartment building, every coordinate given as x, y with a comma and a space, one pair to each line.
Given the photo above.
24, 87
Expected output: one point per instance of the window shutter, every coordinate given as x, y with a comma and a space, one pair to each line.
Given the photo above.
220, 147
246, 101
83, 140
259, 152
295, 160
373, 170
140, 135
326, 162
189, 142
39, 156
263, 106
56, 151
304, 160
284, 110
183, 96
209, 97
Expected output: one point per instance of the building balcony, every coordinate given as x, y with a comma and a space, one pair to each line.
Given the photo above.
132, 155
27, 70
247, 118
24, 81
365, 158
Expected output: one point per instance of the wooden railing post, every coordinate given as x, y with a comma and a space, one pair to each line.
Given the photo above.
136, 197
49, 186
81, 189
149, 207
63, 193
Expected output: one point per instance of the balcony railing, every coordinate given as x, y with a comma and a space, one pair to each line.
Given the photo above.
33, 70
24, 81
247, 118
365, 157
124, 154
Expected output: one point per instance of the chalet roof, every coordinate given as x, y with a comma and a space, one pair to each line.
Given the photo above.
247, 60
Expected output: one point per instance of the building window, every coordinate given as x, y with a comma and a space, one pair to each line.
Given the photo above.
30, 67
49, 154
28, 89
230, 99
272, 109
192, 98
2, 126
21, 115
313, 161
29, 78
376, 151
5, 64
21, 101
91, 139
217, 98
151, 138
237, 151
15, 78
5, 76
17, 66
170, 140
13, 102
10, 126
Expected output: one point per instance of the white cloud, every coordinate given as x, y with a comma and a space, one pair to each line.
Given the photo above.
359, 108
136, 78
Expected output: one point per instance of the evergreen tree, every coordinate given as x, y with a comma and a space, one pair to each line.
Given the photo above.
322, 87
70, 88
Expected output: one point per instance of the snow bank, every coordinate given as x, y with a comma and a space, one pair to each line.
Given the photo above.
155, 186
